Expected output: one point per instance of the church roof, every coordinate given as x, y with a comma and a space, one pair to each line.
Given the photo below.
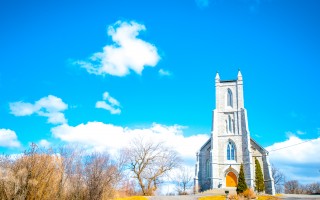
253, 141
226, 81
205, 144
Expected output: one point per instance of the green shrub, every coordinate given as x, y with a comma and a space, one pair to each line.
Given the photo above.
259, 187
242, 185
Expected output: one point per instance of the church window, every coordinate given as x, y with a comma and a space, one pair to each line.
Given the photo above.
229, 124
229, 98
208, 168
230, 151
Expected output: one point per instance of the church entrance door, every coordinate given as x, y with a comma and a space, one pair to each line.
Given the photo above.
231, 180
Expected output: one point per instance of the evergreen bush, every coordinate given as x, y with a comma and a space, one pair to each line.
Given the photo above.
242, 185
259, 181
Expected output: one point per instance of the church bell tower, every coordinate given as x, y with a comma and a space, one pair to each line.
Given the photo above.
230, 134
230, 145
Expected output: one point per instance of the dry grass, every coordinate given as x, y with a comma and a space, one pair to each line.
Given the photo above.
265, 197
249, 193
132, 198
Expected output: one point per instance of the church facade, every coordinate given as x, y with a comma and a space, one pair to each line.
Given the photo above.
230, 144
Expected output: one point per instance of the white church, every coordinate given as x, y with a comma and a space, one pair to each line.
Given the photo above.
230, 144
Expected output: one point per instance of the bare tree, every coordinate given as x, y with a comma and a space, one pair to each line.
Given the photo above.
71, 185
150, 161
101, 175
183, 180
292, 187
279, 179
313, 188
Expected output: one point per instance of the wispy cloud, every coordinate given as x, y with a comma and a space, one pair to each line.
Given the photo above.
202, 3
109, 103
8, 138
101, 136
163, 72
299, 158
44, 143
298, 132
50, 107
127, 53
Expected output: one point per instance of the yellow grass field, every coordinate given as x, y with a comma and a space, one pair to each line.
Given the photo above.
213, 198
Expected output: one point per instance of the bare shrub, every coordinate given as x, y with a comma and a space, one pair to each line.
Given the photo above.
183, 180
292, 187
32, 176
249, 193
65, 174
279, 179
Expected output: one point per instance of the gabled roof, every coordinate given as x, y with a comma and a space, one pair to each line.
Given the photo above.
253, 141
209, 140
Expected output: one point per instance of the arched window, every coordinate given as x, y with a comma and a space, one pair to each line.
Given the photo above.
229, 98
230, 151
208, 168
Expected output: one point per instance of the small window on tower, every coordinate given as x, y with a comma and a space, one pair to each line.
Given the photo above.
229, 98
230, 151
229, 124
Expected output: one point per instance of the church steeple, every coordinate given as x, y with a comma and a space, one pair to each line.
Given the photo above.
217, 78
239, 75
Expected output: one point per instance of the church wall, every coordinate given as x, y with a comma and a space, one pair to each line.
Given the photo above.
221, 96
258, 153
269, 181
247, 159
204, 180
224, 164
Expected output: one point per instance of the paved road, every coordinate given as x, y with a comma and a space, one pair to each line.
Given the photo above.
300, 197
195, 197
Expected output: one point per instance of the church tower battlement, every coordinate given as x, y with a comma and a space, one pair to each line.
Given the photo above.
229, 104
230, 144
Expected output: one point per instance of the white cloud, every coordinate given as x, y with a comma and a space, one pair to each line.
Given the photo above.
49, 106
8, 138
100, 136
163, 72
297, 158
109, 103
44, 143
21, 108
127, 53
300, 132
202, 3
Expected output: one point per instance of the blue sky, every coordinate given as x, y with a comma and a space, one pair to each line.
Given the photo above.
92, 73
